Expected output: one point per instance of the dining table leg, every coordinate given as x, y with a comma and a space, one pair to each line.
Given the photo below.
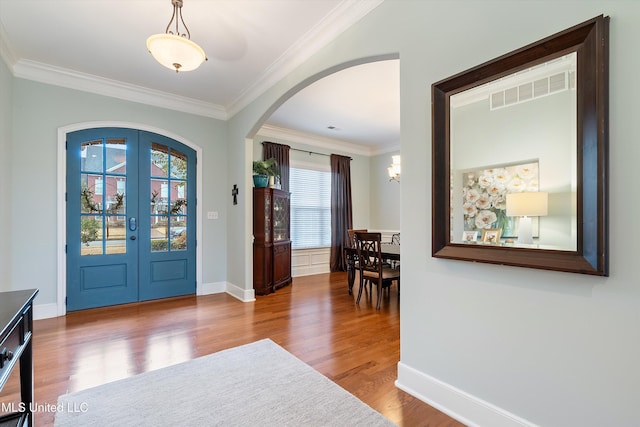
351, 273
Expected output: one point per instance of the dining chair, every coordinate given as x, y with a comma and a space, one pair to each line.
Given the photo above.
372, 267
351, 259
352, 242
395, 239
352, 232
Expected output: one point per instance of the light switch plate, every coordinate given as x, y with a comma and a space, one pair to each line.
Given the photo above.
212, 215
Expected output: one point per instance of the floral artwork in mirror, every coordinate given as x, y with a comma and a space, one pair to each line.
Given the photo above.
532, 121
484, 196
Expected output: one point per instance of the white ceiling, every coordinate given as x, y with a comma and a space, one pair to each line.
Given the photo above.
99, 46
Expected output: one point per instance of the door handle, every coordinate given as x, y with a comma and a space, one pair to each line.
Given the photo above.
133, 224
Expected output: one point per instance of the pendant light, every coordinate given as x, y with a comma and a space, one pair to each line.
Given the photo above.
175, 50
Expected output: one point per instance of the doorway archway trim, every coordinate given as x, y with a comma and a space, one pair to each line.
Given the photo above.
259, 123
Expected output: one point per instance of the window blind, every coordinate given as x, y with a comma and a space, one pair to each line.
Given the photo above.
310, 208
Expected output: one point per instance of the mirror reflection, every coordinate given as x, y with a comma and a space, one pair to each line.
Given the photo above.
513, 154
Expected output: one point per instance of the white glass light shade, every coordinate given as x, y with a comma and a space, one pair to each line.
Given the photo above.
175, 52
527, 204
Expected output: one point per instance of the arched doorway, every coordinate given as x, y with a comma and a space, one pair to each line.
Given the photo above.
315, 83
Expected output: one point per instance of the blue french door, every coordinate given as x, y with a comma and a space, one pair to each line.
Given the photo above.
130, 217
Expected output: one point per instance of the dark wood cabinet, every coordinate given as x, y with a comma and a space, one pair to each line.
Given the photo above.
16, 329
271, 240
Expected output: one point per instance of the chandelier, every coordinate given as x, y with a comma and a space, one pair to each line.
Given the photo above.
394, 169
175, 50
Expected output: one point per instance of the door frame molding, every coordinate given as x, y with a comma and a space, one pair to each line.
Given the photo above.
61, 210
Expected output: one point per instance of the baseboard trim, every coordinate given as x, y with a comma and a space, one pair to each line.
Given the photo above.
211, 288
244, 295
460, 405
45, 311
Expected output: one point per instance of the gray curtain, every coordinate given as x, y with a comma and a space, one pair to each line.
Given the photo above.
341, 210
279, 152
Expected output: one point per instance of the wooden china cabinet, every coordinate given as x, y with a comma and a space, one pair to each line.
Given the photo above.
271, 240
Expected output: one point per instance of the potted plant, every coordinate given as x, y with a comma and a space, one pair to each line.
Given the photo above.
262, 170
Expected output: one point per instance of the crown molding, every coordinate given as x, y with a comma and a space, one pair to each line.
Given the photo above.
58, 76
343, 16
322, 142
395, 148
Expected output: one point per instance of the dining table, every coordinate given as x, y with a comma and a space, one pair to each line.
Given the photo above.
390, 251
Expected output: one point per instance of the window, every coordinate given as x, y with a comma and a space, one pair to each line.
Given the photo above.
310, 207
98, 187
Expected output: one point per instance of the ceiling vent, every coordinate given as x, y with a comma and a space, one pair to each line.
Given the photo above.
534, 89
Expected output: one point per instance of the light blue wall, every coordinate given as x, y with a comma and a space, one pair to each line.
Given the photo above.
554, 349
39, 110
6, 101
385, 195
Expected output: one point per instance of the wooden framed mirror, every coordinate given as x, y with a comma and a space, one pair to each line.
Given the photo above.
533, 122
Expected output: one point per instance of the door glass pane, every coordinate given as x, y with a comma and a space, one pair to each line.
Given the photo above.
159, 160
91, 235
178, 165
116, 156
90, 202
178, 198
91, 156
158, 201
115, 197
159, 234
116, 231
178, 233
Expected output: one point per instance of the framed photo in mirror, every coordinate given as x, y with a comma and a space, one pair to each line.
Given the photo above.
491, 235
470, 236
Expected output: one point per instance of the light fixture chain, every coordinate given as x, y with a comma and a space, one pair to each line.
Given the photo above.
173, 16
177, 15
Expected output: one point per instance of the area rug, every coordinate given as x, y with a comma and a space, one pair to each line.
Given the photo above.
258, 384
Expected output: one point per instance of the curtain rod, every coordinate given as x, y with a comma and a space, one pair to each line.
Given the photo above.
310, 152
313, 152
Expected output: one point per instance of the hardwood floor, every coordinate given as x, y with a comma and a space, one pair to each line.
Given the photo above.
315, 319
